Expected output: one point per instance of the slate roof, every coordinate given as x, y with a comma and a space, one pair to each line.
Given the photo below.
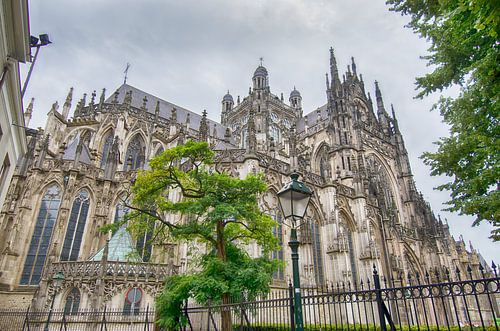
312, 118
165, 108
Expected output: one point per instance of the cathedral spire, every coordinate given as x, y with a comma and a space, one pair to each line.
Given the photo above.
381, 113
395, 121
334, 72
67, 104
28, 113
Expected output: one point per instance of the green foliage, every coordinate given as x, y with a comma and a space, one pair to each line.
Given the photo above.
464, 51
189, 201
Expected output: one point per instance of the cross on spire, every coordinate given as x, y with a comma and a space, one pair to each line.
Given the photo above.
126, 72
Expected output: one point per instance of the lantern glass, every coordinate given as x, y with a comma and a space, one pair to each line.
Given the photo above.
294, 198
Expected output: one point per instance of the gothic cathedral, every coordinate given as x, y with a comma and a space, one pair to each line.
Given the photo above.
365, 209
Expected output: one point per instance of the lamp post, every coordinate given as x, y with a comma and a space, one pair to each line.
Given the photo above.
43, 40
57, 281
294, 198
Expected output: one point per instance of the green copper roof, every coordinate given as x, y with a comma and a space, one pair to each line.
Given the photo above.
120, 248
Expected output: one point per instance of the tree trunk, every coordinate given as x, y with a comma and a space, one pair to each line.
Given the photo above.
225, 315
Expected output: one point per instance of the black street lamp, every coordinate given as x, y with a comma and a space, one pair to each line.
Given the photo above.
294, 198
42, 40
57, 280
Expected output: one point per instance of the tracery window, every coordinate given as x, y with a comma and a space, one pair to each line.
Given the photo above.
278, 254
310, 235
42, 234
72, 302
143, 245
76, 225
108, 142
136, 152
133, 299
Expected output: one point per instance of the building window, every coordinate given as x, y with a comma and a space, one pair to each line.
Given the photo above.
133, 299
244, 135
108, 142
72, 302
278, 254
136, 152
4, 172
317, 260
76, 225
274, 132
143, 245
42, 234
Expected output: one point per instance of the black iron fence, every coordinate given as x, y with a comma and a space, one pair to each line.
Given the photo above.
434, 301
58, 320
438, 300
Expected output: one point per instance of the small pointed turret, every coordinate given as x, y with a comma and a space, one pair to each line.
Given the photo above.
203, 130
79, 111
102, 98
252, 133
144, 106
67, 104
157, 110
353, 66
28, 113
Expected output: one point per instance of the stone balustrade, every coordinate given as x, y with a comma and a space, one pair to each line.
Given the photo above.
116, 270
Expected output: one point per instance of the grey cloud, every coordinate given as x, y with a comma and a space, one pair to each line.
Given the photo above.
190, 52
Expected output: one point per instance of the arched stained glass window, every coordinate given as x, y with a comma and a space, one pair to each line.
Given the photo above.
108, 142
76, 225
278, 254
72, 302
159, 151
42, 234
136, 152
143, 246
132, 303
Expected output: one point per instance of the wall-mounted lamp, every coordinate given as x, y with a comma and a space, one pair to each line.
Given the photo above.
42, 40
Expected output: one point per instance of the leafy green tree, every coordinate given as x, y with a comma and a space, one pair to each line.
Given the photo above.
464, 52
190, 201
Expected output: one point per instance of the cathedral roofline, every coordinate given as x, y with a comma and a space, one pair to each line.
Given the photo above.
165, 108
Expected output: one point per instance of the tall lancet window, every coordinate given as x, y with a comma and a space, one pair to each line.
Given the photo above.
76, 225
108, 142
72, 302
317, 256
136, 152
40, 239
278, 254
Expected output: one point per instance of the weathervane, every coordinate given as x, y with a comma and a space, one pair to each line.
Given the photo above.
126, 72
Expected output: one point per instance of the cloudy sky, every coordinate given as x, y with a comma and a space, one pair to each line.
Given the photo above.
191, 52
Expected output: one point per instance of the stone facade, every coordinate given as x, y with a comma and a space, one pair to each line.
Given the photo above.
73, 179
